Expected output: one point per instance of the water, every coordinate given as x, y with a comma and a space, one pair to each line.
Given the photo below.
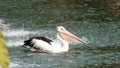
94, 21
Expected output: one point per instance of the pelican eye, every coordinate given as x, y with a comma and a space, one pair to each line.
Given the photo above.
62, 28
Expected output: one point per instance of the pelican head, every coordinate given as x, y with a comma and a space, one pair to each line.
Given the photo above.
65, 35
60, 28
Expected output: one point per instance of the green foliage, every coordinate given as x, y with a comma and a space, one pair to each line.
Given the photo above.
4, 56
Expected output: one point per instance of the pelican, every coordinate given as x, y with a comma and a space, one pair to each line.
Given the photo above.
42, 44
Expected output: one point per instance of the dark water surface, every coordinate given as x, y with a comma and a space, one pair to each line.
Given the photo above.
96, 21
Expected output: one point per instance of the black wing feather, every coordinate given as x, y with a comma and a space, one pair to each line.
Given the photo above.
29, 41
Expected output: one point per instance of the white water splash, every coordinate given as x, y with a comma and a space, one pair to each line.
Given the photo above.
21, 65
14, 65
16, 37
12, 43
16, 33
2, 25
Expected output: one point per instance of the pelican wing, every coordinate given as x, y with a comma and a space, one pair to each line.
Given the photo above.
40, 44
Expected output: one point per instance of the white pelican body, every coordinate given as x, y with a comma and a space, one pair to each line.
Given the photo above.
42, 44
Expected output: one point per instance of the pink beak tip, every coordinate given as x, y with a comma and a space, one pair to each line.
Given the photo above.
84, 42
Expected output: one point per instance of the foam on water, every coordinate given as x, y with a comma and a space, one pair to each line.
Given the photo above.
11, 43
14, 65
16, 37
2, 25
16, 33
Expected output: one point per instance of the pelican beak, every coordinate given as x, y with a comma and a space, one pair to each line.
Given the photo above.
69, 37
